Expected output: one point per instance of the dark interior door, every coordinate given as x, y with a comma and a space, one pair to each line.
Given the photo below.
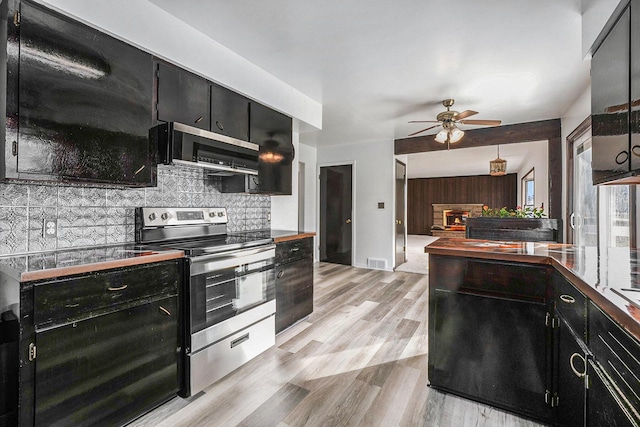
335, 214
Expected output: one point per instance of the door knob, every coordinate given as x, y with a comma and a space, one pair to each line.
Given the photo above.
348, 221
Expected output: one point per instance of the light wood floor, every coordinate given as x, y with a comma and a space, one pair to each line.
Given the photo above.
359, 360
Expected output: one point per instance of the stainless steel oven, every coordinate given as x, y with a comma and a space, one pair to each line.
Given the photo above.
229, 293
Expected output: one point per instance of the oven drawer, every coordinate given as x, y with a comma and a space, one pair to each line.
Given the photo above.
64, 300
214, 362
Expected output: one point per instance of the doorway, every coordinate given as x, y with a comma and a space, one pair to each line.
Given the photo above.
336, 207
401, 232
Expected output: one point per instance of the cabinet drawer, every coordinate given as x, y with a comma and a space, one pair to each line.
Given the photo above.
618, 354
68, 299
571, 304
294, 250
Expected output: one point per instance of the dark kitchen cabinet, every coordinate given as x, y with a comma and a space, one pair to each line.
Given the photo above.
571, 366
616, 372
79, 103
99, 348
294, 282
488, 333
635, 85
183, 97
272, 131
605, 407
229, 113
615, 101
571, 352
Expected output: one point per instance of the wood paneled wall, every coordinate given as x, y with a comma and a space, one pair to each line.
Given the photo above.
494, 191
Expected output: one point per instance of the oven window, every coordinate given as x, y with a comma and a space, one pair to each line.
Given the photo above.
219, 295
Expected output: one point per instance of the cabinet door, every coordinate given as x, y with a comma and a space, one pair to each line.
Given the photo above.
183, 97
272, 131
85, 103
610, 104
571, 370
635, 85
107, 370
604, 406
229, 113
493, 350
294, 292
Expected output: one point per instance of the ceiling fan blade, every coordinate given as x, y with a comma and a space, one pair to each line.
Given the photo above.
481, 122
464, 114
423, 130
424, 121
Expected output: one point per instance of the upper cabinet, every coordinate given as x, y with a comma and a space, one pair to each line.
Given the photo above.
610, 104
635, 85
183, 97
272, 131
229, 113
80, 107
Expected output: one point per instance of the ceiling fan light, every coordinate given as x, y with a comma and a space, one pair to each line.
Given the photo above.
442, 136
456, 135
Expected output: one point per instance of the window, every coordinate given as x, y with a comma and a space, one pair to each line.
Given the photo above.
528, 190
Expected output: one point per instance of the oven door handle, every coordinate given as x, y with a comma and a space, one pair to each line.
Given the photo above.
207, 263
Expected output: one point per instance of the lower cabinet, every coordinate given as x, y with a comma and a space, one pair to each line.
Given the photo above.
99, 349
294, 282
614, 373
491, 349
571, 367
488, 334
605, 408
103, 370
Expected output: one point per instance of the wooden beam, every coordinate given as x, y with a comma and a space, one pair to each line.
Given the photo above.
544, 130
509, 134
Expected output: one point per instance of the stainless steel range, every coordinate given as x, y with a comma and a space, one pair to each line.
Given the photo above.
229, 297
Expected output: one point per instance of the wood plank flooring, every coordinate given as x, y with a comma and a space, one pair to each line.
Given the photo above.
359, 360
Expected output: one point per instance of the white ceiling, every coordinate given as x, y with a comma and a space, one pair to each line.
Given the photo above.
376, 64
470, 161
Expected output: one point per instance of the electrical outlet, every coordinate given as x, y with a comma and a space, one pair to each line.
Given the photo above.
268, 216
50, 227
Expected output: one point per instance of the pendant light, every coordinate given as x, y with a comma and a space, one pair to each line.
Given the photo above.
498, 167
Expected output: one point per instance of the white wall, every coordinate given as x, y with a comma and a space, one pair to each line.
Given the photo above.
595, 14
309, 155
373, 182
150, 28
538, 159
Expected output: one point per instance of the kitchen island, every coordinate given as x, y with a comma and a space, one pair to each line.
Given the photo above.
537, 328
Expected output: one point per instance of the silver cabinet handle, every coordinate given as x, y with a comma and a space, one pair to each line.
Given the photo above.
164, 310
584, 362
568, 299
119, 288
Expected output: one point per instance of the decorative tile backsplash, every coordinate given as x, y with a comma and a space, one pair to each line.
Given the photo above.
89, 216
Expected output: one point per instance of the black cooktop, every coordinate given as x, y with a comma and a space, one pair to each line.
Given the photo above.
220, 243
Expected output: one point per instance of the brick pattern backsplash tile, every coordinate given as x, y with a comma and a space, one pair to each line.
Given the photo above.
91, 216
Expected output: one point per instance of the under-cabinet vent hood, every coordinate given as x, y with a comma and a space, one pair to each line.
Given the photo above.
221, 155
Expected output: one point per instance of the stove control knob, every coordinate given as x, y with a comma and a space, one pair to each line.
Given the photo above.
152, 216
165, 216
212, 214
220, 213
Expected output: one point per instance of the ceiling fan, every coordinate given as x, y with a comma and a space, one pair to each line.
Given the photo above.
449, 120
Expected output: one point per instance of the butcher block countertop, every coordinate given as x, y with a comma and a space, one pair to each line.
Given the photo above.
280, 236
61, 263
610, 277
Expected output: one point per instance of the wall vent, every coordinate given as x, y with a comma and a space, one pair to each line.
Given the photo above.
378, 264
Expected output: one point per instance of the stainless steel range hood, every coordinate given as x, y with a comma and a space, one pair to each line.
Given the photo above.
221, 155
